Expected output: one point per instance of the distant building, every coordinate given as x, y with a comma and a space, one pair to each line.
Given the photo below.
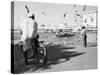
90, 19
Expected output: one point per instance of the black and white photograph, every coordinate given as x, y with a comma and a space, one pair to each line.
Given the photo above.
53, 37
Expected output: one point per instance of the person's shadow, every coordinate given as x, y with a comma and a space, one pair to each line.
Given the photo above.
55, 55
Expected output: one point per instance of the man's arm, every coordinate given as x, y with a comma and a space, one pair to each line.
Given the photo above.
35, 27
20, 31
21, 27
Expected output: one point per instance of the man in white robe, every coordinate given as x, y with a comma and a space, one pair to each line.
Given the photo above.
28, 30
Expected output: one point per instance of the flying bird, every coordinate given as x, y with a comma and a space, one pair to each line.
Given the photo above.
78, 15
27, 8
43, 13
65, 14
75, 20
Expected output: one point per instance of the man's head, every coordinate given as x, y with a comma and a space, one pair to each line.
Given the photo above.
31, 15
83, 27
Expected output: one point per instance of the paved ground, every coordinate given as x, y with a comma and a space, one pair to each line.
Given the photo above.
69, 55
76, 59
63, 59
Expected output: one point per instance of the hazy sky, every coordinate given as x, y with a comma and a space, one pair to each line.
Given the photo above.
50, 14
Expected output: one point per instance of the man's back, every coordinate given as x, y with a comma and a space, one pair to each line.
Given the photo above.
29, 29
83, 32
